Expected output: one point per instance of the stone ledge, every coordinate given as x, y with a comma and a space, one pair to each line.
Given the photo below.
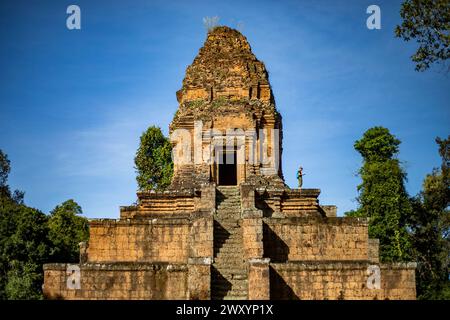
141, 221
318, 219
259, 261
172, 193
122, 266
201, 261
332, 265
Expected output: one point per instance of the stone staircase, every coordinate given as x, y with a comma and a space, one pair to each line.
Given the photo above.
229, 270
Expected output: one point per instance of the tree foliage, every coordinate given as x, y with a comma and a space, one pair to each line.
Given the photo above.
5, 168
29, 238
154, 166
427, 21
66, 230
382, 195
5, 192
430, 225
24, 247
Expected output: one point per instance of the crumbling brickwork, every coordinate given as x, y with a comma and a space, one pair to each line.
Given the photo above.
118, 281
139, 240
340, 280
316, 239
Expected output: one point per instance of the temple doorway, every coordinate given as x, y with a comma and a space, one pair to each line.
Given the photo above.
227, 167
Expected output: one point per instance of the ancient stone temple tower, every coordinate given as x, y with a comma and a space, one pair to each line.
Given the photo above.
228, 227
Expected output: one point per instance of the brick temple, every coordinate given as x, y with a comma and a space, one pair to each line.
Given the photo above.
228, 227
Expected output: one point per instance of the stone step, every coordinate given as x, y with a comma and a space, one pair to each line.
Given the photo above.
229, 257
227, 227
227, 216
233, 298
232, 234
229, 272
243, 297
232, 278
236, 249
230, 247
223, 259
224, 240
228, 196
226, 224
228, 190
230, 242
228, 235
229, 284
233, 257
229, 268
229, 231
236, 281
229, 253
233, 214
238, 256
228, 208
224, 288
225, 291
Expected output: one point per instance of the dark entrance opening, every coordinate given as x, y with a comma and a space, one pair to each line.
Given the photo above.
228, 168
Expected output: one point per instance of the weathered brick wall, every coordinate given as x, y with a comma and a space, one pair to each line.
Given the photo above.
161, 204
252, 234
315, 239
258, 279
199, 278
118, 281
165, 240
340, 281
201, 236
289, 203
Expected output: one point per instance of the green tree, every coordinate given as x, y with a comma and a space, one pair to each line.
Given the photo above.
24, 281
5, 192
427, 21
430, 225
29, 238
24, 247
23, 242
382, 195
154, 166
5, 168
66, 230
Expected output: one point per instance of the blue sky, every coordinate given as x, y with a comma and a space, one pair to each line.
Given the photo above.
74, 103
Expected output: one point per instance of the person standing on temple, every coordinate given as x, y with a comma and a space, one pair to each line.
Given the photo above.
300, 175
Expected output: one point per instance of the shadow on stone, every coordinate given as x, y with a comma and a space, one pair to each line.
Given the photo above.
220, 286
220, 237
262, 205
279, 289
220, 197
274, 247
